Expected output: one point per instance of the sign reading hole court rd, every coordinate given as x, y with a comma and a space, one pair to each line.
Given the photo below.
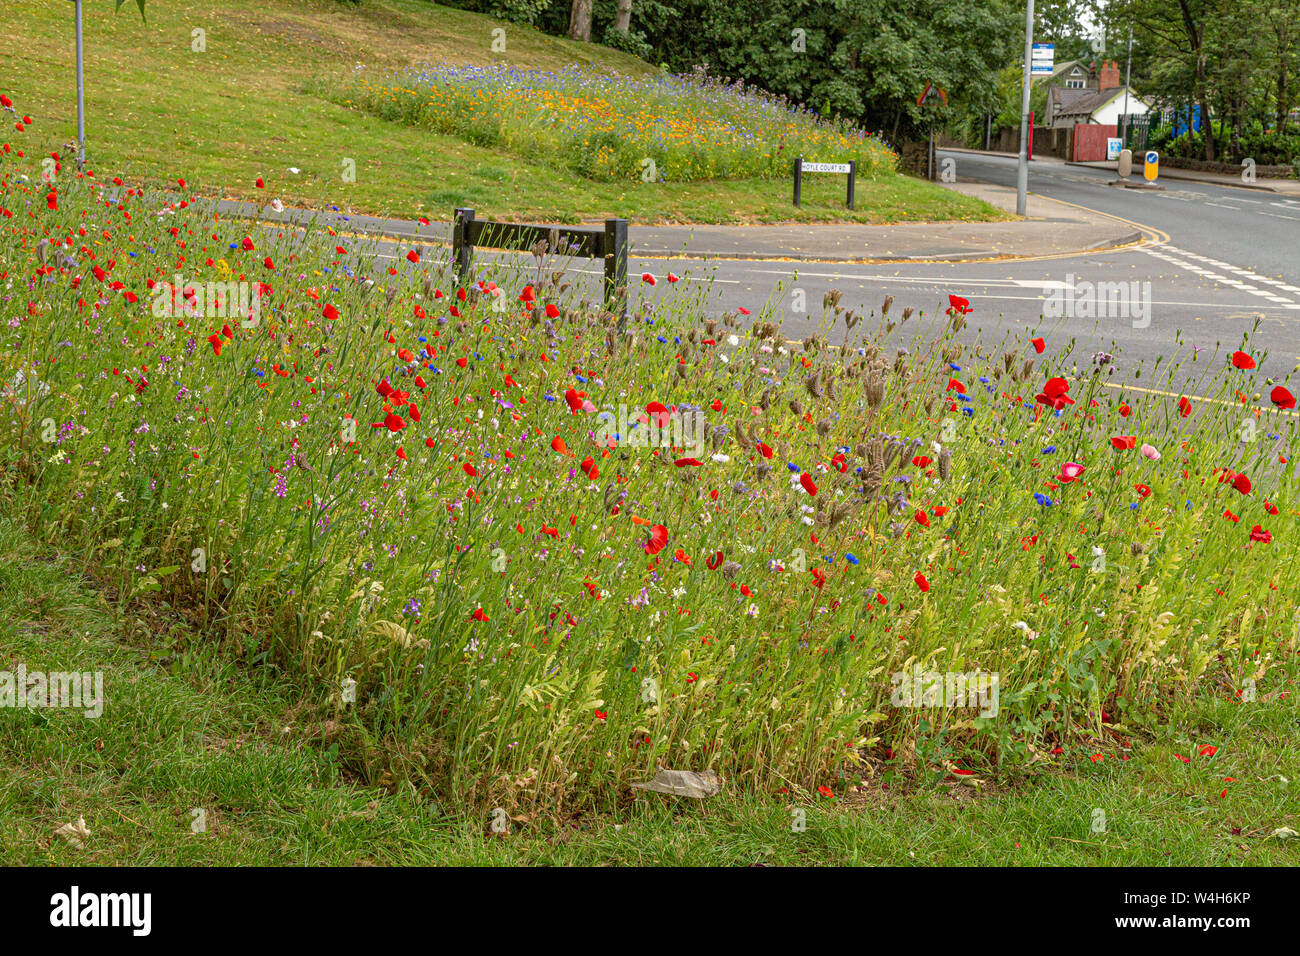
800, 167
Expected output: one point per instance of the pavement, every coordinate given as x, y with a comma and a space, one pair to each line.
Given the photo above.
1051, 227
1285, 186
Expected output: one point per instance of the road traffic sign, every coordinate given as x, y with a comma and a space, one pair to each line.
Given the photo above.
1151, 169
1043, 59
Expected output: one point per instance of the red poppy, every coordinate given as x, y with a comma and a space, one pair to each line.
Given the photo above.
1039, 345
714, 562
1242, 484
558, 444
1124, 442
1184, 407
647, 278
1054, 393
412, 256
921, 582
658, 539
480, 615
470, 470
957, 304
764, 450
922, 519
1282, 398
1257, 533
330, 312
1242, 360
1124, 410
551, 311
806, 480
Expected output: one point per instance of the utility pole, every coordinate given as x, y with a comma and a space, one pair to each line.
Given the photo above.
1022, 174
81, 96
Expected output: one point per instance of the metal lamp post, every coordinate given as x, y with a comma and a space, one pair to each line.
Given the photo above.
1022, 173
81, 96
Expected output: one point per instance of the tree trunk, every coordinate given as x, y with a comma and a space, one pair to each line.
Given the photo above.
623, 19
1194, 35
1207, 127
1283, 99
580, 21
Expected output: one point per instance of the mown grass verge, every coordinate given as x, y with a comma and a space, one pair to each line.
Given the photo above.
157, 111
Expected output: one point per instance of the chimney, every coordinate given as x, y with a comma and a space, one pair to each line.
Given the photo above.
1109, 78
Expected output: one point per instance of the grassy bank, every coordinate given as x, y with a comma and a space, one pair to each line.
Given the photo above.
158, 111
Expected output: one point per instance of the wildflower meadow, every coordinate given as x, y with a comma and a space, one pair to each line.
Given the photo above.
611, 127
529, 555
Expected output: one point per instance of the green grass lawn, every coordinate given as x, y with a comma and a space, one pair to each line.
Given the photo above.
157, 111
184, 729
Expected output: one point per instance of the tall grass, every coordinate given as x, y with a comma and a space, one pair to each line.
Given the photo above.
492, 578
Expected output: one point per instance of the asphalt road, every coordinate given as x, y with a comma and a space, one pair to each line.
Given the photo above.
1231, 262
1224, 262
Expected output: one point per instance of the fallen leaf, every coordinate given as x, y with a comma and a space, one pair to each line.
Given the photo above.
77, 834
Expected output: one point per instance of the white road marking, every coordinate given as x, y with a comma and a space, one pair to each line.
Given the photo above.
1180, 257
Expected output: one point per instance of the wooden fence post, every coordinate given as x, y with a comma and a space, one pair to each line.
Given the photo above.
460, 244
615, 250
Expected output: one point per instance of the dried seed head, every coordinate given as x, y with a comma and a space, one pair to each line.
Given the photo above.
884, 309
875, 390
